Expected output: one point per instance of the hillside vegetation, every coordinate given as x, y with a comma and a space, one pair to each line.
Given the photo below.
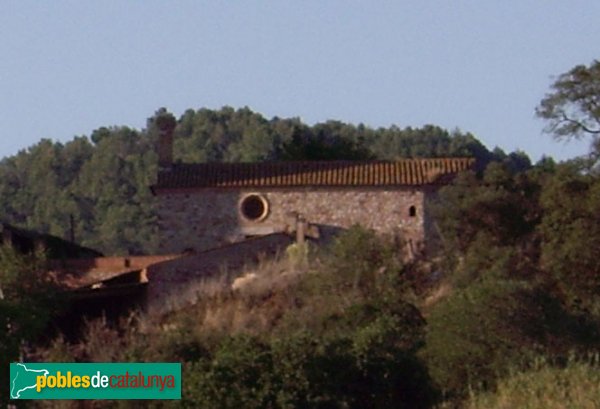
506, 314
352, 325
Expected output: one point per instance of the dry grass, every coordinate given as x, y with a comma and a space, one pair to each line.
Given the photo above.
545, 387
439, 293
254, 305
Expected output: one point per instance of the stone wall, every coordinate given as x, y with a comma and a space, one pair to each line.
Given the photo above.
208, 218
82, 272
177, 283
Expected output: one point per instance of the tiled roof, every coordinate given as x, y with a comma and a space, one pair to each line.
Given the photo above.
405, 172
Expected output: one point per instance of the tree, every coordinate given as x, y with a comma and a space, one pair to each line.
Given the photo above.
481, 333
327, 141
572, 108
501, 205
570, 231
28, 299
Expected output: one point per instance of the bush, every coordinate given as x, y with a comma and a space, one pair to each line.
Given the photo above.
570, 231
236, 375
360, 264
363, 357
502, 205
28, 300
479, 333
368, 370
484, 258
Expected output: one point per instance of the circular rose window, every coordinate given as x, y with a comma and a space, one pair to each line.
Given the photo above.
254, 207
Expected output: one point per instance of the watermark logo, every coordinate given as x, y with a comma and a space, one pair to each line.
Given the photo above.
95, 381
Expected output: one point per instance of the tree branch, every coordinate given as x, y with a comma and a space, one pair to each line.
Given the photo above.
579, 124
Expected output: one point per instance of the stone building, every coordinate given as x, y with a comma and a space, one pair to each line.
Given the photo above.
204, 206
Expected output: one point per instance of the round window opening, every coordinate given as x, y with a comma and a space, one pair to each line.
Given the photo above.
254, 207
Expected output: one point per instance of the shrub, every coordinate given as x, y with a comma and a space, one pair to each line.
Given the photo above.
236, 375
477, 334
359, 257
365, 357
570, 231
28, 300
484, 258
297, 255
367, 370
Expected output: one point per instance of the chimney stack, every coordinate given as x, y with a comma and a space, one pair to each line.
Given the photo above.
165, 123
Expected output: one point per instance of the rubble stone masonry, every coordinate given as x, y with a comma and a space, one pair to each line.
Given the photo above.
200, 219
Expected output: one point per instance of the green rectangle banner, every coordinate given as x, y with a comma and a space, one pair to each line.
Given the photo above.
95, 381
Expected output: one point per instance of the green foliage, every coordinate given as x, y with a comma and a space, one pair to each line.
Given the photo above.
28, 299
236, 375
357, 277
332, 140
297, 255
485, 259
242, 135
226, 135
570, 230
103, 186
365, 262
368, 369
27, 292
479, 333
490, 219
111, 195
572, 108
430, 141
162, 120
519, 256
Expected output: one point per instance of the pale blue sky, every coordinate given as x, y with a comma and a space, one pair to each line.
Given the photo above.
69, 67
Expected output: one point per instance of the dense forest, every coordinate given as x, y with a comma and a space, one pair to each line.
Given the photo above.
102, 181
505, 315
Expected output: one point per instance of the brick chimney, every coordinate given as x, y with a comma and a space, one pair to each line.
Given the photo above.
165, 123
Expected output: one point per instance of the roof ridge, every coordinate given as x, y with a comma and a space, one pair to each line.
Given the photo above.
332, 162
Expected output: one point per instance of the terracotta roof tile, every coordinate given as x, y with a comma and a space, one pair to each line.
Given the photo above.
407, 172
